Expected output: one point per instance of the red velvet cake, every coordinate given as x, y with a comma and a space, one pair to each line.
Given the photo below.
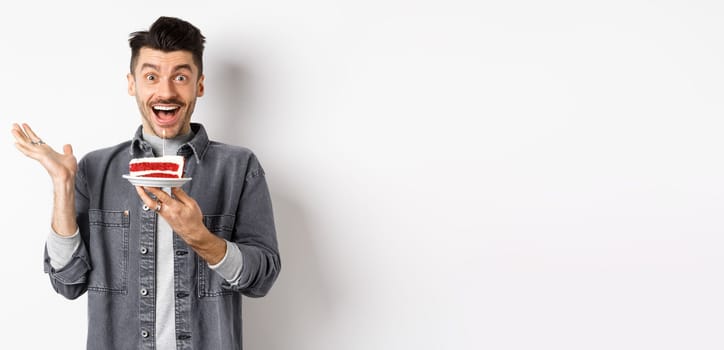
171, 167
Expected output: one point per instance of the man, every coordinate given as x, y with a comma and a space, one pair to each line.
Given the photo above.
164, 268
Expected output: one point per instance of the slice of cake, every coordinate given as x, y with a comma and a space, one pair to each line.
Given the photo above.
159, 167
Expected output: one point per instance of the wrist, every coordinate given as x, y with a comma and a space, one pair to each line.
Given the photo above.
64, 221
64, 185
209, 246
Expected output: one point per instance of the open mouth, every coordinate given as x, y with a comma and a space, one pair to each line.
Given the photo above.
166, 112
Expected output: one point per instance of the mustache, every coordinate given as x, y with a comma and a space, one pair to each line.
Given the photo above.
171, 101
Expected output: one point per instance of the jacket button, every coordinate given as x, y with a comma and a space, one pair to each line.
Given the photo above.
145, 207
144, 334
144, 250
144, 292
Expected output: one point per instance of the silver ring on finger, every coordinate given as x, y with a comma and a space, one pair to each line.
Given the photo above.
39, 142
158, 207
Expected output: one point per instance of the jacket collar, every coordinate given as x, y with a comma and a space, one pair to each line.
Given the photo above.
197, 146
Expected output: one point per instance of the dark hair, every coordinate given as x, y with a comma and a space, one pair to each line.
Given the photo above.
169, 34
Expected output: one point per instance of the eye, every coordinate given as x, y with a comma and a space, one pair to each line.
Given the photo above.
150, 77
181, 78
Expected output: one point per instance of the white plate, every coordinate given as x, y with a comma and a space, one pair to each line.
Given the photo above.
155, 181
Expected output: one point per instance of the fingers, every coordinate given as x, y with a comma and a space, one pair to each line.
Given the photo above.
180, 195
163, 200
160, 194
156, 205
25, 137
24, 149
19, 134
30, 132
23, 142
24, 134
145, 198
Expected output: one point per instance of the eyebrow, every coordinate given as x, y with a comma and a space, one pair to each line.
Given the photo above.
175, 69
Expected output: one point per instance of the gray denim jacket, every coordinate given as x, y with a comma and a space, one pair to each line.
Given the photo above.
115, 262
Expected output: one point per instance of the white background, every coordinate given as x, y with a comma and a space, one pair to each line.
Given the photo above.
445, 174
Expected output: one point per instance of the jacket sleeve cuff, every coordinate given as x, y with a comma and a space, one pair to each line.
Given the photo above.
230, 265
61, 248
73, 272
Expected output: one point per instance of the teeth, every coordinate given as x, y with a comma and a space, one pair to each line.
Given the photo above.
164, 108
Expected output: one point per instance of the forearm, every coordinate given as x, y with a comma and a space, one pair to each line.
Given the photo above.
66, 258
208, 246
64, 215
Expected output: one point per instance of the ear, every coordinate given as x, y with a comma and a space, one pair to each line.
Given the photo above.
131, 84
200, 89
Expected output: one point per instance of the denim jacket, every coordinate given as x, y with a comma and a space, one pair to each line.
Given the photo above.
115, 262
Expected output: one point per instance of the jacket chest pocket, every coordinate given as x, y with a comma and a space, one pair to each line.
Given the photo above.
209, 282
108, 245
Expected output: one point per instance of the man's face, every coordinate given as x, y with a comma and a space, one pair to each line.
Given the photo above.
166, 85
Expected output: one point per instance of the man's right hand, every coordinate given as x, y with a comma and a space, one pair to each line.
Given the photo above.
61, 166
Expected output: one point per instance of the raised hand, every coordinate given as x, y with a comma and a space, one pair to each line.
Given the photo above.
60, 166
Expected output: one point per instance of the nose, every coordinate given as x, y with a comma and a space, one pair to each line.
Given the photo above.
166, 89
